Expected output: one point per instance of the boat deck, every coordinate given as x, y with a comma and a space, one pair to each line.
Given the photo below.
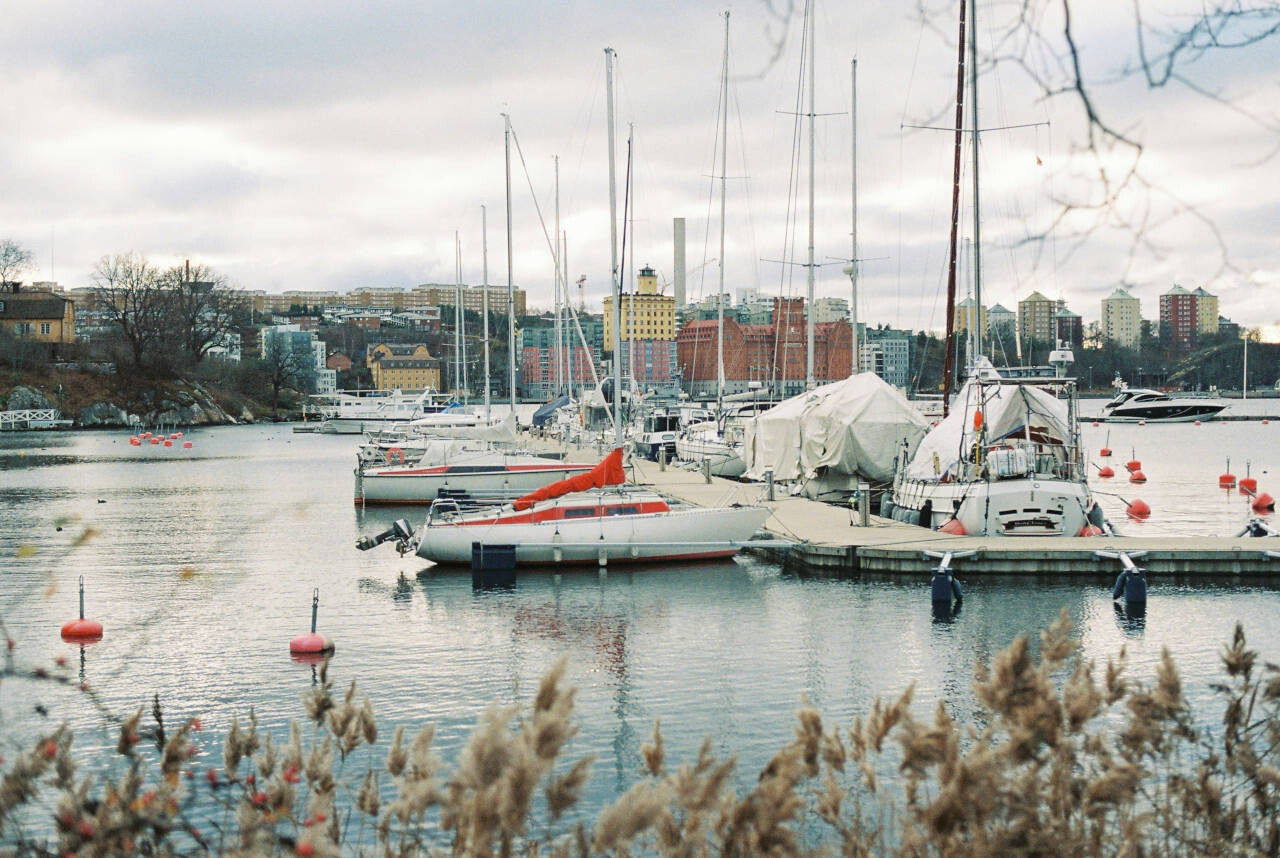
831, 541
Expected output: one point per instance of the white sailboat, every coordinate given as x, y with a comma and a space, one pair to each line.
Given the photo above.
1007, 458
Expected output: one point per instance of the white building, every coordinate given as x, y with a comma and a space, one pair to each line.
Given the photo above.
1122, 319
830, 310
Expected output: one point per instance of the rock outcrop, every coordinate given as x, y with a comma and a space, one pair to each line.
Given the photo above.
183, 405
26, 398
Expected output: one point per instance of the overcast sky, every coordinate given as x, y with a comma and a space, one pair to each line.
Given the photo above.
334, 145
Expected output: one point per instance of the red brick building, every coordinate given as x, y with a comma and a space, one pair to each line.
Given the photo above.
1179, 318
773, 355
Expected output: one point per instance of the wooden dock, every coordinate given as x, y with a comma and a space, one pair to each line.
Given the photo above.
829, 540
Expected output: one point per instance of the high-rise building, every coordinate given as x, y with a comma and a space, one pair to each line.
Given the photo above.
1179, 318
647, 332
1122, 319
1068, 327
1206, 312
965, 316
1035, 319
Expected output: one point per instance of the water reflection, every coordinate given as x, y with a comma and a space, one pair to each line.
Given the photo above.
1131, 617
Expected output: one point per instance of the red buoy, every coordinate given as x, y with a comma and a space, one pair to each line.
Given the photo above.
1095, 423
1137, 509
168, 443
1133, 465
1137, 477
1090, 530
1265, 421
82, 630
1228, 479
175, 434
1105, 452
1197, 422
953, 527
1105, 472
186, 445
155, 439
311, 643
1263, 503
1142, 423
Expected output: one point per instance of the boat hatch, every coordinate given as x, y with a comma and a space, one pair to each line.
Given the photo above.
581, 512
622, 510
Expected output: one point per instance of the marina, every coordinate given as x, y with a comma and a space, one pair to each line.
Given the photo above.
232, 536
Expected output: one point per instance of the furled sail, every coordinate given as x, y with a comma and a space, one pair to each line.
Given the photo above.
608, 473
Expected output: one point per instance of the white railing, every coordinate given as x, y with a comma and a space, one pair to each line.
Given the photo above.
12, 420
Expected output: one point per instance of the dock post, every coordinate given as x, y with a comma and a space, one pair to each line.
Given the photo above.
706, 470
864, 504
662, 459
768, 478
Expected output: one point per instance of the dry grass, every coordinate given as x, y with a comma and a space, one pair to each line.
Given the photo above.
1068, 765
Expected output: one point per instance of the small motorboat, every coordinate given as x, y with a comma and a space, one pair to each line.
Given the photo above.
1132, 404
590, 518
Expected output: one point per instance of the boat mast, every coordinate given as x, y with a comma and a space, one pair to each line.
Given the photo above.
567, 310
511, 291
856, 362
613, 246
724, 166
457, 314
977, 322
808, 360
556, 259
484, 252
948, 369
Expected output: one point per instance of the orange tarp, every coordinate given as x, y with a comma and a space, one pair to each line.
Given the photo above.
607, 473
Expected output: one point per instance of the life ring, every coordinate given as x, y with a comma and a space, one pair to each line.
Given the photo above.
393, 452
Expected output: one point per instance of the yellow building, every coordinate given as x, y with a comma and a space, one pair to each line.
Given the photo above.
41, 316
1206, 312
646, 315
417, 351
406, 374
404, 367
965, 315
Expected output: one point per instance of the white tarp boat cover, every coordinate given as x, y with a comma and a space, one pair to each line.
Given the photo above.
853, 427
1008, 410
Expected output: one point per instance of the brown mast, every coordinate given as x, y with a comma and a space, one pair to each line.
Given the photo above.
948, 370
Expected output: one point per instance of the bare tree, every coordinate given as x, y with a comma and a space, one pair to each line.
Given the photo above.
129, 292
283, 369
202, 308
14, 259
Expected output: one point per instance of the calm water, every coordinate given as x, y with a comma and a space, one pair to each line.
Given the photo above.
204, 562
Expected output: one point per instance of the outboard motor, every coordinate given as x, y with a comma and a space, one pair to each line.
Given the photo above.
399, 531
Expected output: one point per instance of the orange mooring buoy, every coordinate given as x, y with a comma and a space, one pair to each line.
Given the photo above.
82, 630
1137, 477
1105, 472
1137, 508
1228, 479
953, 527
311, 643
1263, 503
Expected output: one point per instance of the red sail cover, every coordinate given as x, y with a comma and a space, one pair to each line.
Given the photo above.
607, 473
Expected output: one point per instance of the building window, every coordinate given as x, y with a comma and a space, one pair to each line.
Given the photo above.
45, 328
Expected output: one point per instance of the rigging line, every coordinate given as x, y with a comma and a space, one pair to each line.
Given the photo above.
541, 221
596, 88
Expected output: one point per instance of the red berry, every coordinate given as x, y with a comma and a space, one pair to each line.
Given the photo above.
259, 798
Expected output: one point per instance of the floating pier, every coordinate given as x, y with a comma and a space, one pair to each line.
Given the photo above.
830, 540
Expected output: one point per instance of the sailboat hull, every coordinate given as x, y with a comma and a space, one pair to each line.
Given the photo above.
684, 534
